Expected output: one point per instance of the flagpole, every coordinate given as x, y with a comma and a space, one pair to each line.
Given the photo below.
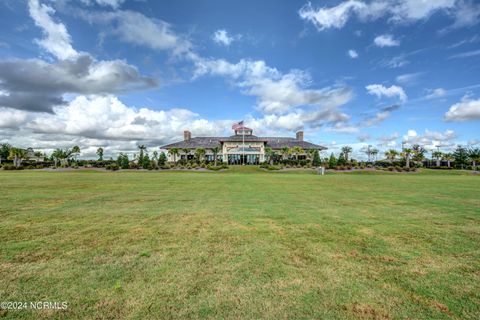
243, 145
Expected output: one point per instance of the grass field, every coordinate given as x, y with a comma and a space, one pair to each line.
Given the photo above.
241, 244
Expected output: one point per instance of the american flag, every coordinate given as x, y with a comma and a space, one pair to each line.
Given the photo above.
237, 125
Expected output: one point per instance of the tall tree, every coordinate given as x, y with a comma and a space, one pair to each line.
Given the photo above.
418, 153
17, 155
100, 154
374, 153
295, 151
341, 159
461, 157
269, 153
407, 153
200, 153
141, 155
391, 154
187, 152
449, 158
123, 161
437, 155
215, 151
76, 152
332, 161
162, 159
62, 155
316, 161
174, 152
474, 156
346, 150
369, 152
285, 152
4, 151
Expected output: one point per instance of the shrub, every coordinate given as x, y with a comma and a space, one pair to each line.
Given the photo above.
273, 168
133, 165
391, 168
9, 167
30, 167
214, 168
112, 166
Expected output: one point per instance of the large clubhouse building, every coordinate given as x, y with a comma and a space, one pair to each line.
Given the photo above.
241, 148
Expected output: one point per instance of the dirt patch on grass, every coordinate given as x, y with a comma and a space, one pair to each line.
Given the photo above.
364, 311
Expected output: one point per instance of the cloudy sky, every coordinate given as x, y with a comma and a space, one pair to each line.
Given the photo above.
116, 73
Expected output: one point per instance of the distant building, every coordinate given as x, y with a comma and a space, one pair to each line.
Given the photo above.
31, 155
241, 148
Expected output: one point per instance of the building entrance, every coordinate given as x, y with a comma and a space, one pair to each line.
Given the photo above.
243, 159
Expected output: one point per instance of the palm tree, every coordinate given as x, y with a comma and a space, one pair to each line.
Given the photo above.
76, 152
438, 156
199, 153
269, 153
174, 153
406, 154
448, 157
17, 155
100, 154
474, 155
295, 151
285, 152
187, 152
374, 153
155, 158
391, 154
62, 156
215, 151
346, 150
418, 153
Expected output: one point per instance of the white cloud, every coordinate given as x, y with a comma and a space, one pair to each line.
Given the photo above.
386, 40
111, 3
397, 11
352, 54
57, 40
10, 118
467, 54
393, 91
37, 85
106, 117
408, 78
334, 17
276, 92
430, 140
136, 28
464, 110
435, 93
222, 37
466, 15
412, 10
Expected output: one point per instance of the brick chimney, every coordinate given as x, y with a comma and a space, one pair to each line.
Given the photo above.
300, 135
187, 135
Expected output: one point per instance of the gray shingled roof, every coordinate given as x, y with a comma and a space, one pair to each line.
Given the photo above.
196, 142
272, 142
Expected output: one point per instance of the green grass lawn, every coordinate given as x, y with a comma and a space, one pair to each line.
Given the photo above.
241, 244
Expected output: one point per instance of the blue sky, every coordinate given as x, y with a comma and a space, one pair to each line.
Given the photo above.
116, 73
